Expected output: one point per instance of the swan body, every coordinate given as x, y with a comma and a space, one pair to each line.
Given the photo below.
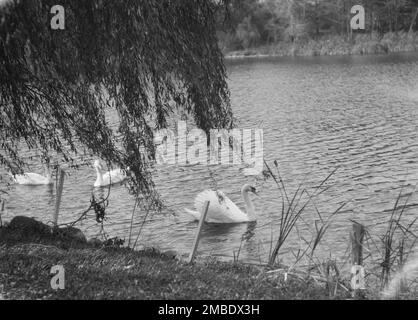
222, 209
34, 179
105, 179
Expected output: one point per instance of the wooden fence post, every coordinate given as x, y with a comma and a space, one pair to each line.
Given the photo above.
59, 188
357, 281
357, 237
2, 205
199, 230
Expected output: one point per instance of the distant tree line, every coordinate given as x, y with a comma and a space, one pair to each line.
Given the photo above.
248, 23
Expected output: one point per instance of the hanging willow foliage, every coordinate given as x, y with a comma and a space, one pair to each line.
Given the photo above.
144, 58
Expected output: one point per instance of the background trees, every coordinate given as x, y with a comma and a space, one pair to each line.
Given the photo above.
271, 21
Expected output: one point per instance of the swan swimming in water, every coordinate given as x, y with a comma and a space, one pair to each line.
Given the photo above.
34, 179
109, 177
222, 209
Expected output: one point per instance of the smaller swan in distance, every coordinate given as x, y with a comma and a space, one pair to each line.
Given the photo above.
104, 179
34, 179
222, 209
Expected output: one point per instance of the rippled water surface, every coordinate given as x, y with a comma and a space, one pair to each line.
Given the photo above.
357, 114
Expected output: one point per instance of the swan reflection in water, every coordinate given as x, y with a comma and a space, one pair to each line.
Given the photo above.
221, 236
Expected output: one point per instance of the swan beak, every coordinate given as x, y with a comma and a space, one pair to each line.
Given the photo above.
254, 191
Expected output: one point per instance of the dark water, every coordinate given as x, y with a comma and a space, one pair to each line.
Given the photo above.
357, 114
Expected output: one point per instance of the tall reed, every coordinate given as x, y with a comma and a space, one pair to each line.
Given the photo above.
292, 208
394, 240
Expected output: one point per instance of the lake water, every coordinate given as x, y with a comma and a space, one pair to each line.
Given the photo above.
357, 114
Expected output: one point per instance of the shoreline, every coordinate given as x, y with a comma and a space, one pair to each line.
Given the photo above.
361, 44
95, 270
242, 56
121, 273
30, 251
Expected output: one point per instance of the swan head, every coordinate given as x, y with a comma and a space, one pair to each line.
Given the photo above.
249, 188
97, 165
47, 172
46, 161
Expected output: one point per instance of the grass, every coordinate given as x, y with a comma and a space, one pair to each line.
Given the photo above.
106, 270
122, 273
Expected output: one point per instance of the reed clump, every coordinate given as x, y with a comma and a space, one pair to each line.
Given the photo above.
292, 208
390, 259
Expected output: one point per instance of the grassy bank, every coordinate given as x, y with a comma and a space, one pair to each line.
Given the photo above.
335, 45
113, 273
100, 271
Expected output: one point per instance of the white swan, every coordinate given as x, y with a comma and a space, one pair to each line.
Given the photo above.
222, 209
34, 179
107, 178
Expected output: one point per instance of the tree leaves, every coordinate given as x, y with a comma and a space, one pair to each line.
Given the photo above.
141, 57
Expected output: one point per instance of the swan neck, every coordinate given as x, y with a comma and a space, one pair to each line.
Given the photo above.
99, 175
48, 173
250, 211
